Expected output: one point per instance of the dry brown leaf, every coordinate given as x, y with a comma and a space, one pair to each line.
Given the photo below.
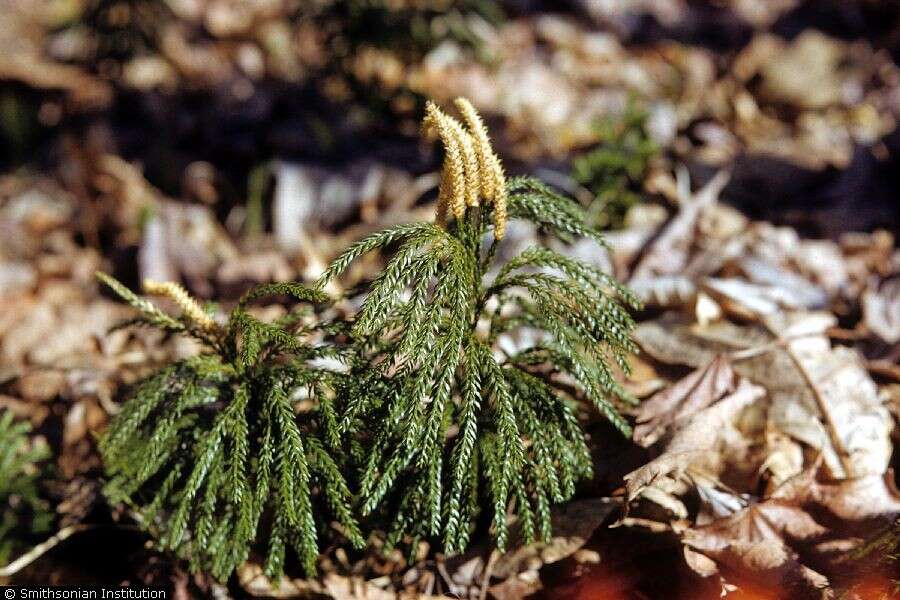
697, 444
881, 311
573, 524
827, 400
771, 519
41, 385
354, 588
784, 458
848, 499
259, 266
819, 395
518, 587
683, 399
755, 539
665, 291
178, 239
668, 253
22, 59
643, 380
759, 537
781, 285
751, 300
672, 340
809, 72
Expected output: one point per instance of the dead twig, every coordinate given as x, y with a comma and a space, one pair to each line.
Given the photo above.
41, 549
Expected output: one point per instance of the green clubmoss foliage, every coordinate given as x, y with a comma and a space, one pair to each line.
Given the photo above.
453, 419
614, 171
23, 513
215, 453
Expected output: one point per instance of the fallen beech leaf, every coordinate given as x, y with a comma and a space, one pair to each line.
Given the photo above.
696, 444
881, 311
755, 539
848, 499
827, 400
683, 399
818, 395
665, 291
668, 253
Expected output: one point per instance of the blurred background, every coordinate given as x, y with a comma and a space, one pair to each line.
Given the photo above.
222, 143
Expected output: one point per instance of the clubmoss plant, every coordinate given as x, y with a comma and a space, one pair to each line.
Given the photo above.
215, 453
615, 169
469, 372
23, 513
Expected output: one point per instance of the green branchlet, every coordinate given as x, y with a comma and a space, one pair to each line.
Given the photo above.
213, 452
23, 513
616, 168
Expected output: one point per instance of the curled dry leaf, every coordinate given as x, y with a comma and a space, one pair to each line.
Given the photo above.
819, 402
683, 399
881, 311
668, 253
755, 539
819, 396
856, 499
698, 442
772, 291
760, 537
672, 340
827, 400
